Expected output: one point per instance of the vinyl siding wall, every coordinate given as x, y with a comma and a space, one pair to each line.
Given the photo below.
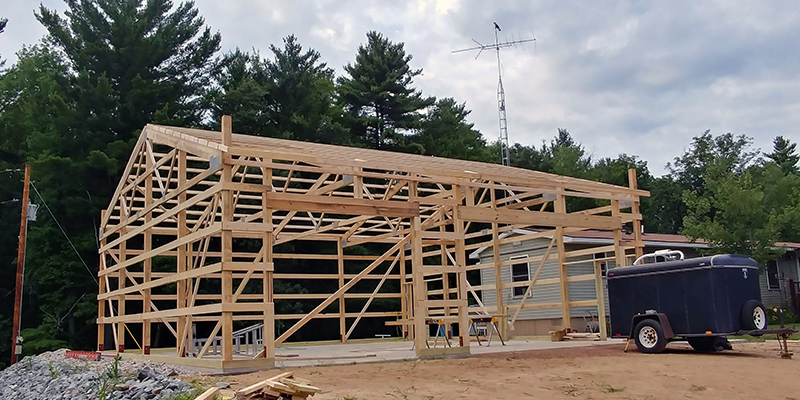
578, 291
787, 269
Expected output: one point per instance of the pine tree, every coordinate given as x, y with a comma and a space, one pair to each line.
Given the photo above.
445, 132
302, 95
240, 87
154, 57
3, 23
76, 104
377, 96
784, 153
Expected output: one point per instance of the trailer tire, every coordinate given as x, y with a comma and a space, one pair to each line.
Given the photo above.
649, 336
754, 316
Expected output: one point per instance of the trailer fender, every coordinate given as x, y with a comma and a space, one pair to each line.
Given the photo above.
660, 317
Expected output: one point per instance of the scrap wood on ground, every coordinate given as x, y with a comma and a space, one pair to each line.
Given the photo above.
281, 386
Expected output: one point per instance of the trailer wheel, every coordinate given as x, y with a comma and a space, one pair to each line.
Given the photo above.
754, 315
649, 336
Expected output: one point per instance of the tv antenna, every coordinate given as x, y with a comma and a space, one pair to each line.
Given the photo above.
501, 93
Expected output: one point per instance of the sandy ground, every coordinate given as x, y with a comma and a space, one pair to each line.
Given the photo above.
750, 371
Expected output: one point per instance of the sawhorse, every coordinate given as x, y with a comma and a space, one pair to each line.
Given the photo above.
491, 324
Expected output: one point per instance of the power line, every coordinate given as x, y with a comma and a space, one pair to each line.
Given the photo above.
89, 270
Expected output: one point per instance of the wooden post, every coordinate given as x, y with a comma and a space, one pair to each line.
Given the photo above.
420, 295
419, 288
404, 303
148, 263
23, 229
101, 304
268, 283
461, 275
227, 247
446, 281
601, 299
498, 272
619, 253
184, 322
123, 247
635, 209
561, 207
340, 262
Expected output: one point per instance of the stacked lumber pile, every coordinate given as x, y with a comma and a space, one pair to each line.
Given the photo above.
279, 387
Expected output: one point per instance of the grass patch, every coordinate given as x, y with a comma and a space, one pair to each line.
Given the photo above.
749, 338
190, 395
697, 388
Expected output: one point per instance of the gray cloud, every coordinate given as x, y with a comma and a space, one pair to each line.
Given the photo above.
636, 77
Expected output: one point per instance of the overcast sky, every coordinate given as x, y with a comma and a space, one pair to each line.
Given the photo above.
635, 77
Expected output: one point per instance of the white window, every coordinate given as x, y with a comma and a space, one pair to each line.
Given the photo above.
520, 272
773, 280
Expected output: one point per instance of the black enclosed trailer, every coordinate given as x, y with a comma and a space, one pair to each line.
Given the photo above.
701, 300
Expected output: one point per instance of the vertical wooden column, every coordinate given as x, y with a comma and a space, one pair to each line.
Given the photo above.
184, 327
148, 262
101, 304
419, 286
445, 280
123, 247
601, 300
227, 246
635, 209
269, 263
420, 295
340, 263
561, 208
404, 303
498, 272
619, 253
461, 275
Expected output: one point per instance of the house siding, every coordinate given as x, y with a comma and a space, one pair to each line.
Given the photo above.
787, 269
578, 291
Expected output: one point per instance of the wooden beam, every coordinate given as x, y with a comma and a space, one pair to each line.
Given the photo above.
214, 228
228, 207
504, 216
315, 203
560, 206
601, 300
172, 278
637, 222
340, 264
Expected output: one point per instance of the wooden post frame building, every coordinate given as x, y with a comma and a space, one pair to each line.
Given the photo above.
190, 239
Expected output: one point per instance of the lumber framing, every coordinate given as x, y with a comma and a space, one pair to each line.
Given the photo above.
196, 235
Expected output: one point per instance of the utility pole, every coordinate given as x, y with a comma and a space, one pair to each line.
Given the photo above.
23, 229
501, 93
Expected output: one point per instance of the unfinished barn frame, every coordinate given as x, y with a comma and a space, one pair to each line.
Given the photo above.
191, 234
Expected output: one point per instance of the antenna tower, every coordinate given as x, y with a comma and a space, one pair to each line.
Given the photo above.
501, 93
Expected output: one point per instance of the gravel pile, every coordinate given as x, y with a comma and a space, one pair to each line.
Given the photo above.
53, 376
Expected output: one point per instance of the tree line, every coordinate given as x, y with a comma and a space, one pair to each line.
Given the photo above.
73, 105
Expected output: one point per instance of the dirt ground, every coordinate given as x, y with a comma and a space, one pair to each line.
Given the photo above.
750, 371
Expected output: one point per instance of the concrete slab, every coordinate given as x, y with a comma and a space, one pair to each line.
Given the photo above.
380, 351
